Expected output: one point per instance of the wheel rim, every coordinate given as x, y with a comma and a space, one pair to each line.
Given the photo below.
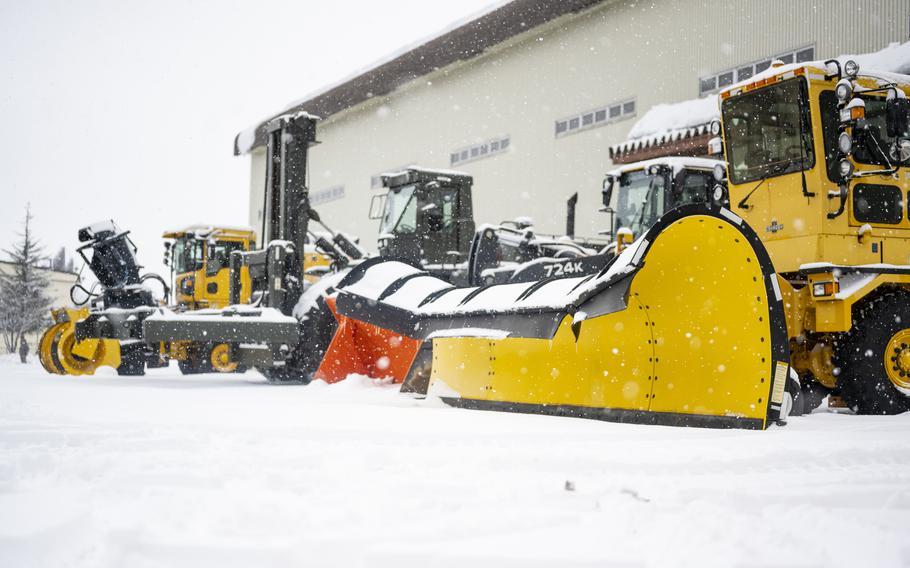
897, 359
221, 359
45, 347
74, 364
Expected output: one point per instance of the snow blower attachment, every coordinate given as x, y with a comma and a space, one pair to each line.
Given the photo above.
649, 339
81, 340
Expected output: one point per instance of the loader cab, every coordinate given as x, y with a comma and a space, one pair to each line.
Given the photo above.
819, 154
638, 194
425, 217
199, 258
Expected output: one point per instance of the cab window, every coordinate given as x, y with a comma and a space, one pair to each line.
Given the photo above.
187, 256
874, 144
219, 255
694, 189
877, 204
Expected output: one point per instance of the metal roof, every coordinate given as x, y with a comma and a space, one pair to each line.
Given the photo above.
461, 43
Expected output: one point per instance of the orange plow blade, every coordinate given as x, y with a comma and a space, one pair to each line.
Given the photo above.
366, 349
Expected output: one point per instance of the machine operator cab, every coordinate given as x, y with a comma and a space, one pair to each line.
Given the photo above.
425, 217
199, 257
637, 194
815, 152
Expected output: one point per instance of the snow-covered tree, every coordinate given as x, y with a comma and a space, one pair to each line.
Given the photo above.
24, 301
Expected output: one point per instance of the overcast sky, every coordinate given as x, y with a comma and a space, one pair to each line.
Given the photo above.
128, 110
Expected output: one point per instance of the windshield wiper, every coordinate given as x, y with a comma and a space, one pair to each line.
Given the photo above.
743, 203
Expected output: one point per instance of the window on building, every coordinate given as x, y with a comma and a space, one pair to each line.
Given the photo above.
596, 117
483, 150
326, 195
804, 55
717, 81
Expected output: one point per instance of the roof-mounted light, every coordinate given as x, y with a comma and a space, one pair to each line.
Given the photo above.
851, 68
843, 90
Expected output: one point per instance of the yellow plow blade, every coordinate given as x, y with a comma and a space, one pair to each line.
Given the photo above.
686, 328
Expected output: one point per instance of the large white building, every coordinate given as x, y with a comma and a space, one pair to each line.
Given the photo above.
530, 96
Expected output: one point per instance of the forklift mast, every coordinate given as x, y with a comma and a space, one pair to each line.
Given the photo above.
286, 193
278, 269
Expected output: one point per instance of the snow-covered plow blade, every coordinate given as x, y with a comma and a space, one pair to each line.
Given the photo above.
365, 349
686, 327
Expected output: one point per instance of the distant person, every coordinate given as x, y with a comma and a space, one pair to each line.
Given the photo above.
23, 350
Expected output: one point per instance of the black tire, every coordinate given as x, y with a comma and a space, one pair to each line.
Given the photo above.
285, 376
809, 397
197, 360
132, 360
860, 355
317, 328
187, 367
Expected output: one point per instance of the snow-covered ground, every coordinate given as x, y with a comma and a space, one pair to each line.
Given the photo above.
227, 471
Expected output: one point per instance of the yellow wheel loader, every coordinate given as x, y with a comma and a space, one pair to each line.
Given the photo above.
199, 257
715, 316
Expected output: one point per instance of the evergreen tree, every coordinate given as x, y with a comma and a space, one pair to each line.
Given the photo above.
59, 261
24, 301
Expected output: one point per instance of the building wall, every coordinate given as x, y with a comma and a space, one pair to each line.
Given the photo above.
653, 52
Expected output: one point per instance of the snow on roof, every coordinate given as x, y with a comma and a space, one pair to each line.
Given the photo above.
669, 122
677, 163
206, 228
431, 171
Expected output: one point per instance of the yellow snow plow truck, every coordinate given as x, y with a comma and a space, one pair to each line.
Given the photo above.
716, 316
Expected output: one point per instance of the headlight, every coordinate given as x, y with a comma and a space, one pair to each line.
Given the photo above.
187, 286
845, 168
851, 68
720, 172
715, 128
843, 90
845, 143
718, 194
826, 288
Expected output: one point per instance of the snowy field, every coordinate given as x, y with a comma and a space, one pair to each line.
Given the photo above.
228, 471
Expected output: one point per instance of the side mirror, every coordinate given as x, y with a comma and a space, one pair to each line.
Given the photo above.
901, 151
624, 238
607, 191
377, 206
897, 116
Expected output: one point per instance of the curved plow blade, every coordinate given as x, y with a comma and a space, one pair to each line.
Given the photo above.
686, 327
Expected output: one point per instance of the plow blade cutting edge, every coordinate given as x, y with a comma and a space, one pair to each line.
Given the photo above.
685, 328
